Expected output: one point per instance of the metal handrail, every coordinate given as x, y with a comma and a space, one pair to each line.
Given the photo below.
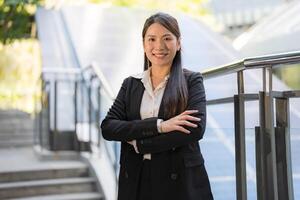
268, 137
274, 60
111, 97
104, 82
59, 70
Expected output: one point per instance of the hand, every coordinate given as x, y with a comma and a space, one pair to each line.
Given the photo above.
131, 142
178, 122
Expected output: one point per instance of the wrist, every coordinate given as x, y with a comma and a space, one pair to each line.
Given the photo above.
159, 125
162, 127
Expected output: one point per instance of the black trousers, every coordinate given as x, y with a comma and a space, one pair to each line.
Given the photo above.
144, 188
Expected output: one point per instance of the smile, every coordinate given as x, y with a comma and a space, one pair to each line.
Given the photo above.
160, 55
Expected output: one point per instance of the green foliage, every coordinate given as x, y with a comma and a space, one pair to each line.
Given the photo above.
290, 75
20, 68
126, 3
16, 19
193, 7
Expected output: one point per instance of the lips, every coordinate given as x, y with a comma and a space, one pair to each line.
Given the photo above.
160, 55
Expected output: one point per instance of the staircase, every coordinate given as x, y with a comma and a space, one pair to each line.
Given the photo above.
16, 129
24, 176
53, 182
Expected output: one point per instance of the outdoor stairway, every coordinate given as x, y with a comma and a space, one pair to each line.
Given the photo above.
16, 129
51, 183
25, 175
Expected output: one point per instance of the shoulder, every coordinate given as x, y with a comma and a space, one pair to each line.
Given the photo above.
192, 76
131, 80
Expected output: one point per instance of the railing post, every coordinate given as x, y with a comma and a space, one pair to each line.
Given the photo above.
90, 113
40, 118
268, 168
98, 112
49, 142
260, 169
240, 144
283, 150
75, 142
54, 134
55, 106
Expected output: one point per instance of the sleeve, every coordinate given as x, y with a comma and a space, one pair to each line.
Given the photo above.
164, 142
115, 125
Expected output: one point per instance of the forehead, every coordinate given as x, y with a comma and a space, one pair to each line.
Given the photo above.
157, 29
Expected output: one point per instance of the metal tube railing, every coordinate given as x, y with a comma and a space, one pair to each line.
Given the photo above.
87, 76
273, 182
274, 60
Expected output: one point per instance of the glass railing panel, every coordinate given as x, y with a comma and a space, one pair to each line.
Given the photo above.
251, 164
217, 147
112, 147
65, 106
295, 151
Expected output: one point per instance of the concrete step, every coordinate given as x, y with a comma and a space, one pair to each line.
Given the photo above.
16, 128
16, 114
41, 174
77, 196
16, 143
19, 135
17, 131
16, 121
46, 187
12, 121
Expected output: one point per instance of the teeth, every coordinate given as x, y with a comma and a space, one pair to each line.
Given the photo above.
160, 55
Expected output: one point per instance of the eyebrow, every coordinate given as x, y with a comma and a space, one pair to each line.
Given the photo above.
168, 34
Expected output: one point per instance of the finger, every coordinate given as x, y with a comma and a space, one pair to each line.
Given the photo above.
190, 118
187, 123
181, 129
188, 112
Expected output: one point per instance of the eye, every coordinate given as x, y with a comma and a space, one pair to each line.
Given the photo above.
168, 38
151, 40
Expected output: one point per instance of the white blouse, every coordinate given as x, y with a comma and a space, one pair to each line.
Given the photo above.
151, 99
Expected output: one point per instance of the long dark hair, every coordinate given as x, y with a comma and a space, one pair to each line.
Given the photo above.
176, 92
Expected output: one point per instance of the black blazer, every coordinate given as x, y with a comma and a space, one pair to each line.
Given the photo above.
177, 165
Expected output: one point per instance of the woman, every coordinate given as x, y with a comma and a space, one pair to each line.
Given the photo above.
159, 116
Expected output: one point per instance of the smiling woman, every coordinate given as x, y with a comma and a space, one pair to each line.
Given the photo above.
160, 45
159, 116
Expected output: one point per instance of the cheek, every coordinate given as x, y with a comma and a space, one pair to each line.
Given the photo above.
149, 55
173, 49
173, 46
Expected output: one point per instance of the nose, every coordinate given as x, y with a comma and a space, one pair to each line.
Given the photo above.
160, 45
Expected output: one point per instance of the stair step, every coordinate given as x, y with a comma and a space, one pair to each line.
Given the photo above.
46, 187
12, 136
16, 121
76, 196
43, 174
12, 124
4, 114
16, 143
16, 129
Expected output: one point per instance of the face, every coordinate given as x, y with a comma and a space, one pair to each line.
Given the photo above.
160, 45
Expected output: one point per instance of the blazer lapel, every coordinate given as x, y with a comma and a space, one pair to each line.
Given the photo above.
136, 99
136, 96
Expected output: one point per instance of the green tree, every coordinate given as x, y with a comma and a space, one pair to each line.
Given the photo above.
17, 19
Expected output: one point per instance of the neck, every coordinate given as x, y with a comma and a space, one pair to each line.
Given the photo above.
160, 72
